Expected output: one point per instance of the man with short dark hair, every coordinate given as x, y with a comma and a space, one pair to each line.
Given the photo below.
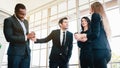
62, 45
16, 33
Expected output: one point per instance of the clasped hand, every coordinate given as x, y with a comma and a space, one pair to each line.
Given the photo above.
80, 37
31, 36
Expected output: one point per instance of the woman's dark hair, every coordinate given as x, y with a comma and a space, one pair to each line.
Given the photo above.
88, 21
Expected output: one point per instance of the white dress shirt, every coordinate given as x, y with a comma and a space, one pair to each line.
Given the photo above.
23, 26
61, 36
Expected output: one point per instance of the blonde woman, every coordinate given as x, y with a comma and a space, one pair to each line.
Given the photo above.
100, 32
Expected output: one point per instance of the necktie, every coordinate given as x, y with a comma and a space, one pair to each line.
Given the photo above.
63, 41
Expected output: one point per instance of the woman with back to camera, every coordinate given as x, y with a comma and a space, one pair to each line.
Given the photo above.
100, 33
86, 56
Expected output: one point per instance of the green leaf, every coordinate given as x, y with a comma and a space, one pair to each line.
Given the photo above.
0, 46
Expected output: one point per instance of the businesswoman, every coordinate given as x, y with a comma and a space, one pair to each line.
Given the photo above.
86, 56
100, 32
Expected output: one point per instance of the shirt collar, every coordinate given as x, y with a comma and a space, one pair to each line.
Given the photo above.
63, 31
17, 18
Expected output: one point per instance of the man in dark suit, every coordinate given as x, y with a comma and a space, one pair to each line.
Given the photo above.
16, 33
62, 45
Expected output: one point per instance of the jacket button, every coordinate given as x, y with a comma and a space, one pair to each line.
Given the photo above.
60, 54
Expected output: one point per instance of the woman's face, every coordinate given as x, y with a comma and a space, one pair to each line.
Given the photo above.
84, 23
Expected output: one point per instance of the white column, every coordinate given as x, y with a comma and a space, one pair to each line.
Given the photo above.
78, 15
119, 4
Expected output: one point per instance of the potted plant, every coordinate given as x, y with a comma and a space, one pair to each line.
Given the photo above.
0, 46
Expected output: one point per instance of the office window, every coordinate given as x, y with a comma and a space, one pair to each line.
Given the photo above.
62, 15
71, 4
115, 48
43, 57
73, 11
37, 23
38, 16
103, 1
107, 0
72, 25
113, 17
36, 28
31, 25
74, 66
83, 2
5, 58
75, 55
53, 23
44, 13
35, 57
44, 20
38, 33
31, 18
44, 26
44, 35
53, 18
72, 14
62, 7
85, 7
37, 45
53, 10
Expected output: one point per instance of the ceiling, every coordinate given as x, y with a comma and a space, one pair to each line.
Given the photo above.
32, 4
7, 6
3, 15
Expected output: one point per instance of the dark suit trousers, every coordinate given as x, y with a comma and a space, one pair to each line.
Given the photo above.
86, 59
58, 63
101, 58
15, 61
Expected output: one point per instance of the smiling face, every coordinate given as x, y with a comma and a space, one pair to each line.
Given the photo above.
84, 23
20, 11
21, 14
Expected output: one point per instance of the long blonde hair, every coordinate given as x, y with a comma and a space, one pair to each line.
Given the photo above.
98, 8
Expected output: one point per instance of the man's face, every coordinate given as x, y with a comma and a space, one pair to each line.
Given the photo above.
21, 14
64, 24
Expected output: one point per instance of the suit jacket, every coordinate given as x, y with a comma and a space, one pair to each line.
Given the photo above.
14, 34
57, 48
85, 46
98, 35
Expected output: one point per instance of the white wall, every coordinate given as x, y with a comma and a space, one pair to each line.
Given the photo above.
7, 5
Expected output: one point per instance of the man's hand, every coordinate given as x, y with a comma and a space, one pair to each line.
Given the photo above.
31, 35
80, 37
34, 39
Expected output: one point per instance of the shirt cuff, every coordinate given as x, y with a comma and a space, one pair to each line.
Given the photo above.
25, 38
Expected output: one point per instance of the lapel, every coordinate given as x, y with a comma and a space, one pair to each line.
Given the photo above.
67, 35
19, 25
58, 35
26, 26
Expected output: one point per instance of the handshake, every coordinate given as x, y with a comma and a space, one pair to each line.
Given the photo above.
80, 37
32, 36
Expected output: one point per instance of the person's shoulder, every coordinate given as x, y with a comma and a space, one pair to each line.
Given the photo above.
70, 32
56, 30
9, 18
26, 21
95, 15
